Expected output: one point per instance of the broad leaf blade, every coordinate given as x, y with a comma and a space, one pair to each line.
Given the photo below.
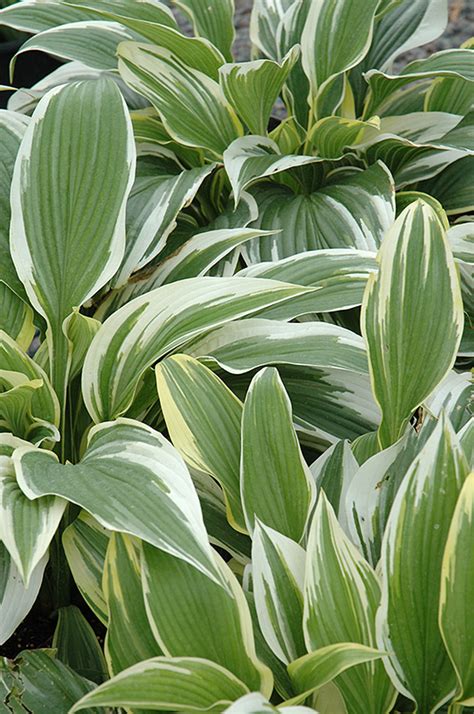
417, 280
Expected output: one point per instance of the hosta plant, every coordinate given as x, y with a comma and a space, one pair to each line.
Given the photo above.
235, 417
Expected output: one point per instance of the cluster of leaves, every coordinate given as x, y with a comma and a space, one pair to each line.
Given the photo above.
244, 436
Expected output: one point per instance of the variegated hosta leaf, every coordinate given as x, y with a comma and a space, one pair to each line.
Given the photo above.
26, 527
265, 22
453, 396
340, 276
161, 190
218, 622
461, 239
196, 405
16, 414
457, 64
342, 594
457, 591
252, 88
39, 16
417, 280
16, 317
15, 600
191, 104
276, 485
195, 257
12, 130
331, 135
454, 186
44, 402
159, 504
466, 439
154, 324
296, 89
76, 645
40, 682
64, 245
249, 344
404, 26
336, 37
152, 11
215, 23
182, 683
356, 213
85, 543
278, 569
320, 667
412, 554
255, 703
251, 158
370, 496
129, 638
92, 42
334, 472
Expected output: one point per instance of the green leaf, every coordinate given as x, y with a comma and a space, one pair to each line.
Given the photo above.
355, 212
316, 669
265, 22
160, 322
339, 276
457, 591
251, 158
56, 233
27, 527
77, 646
129, 638
342, 594
85, 543
44, 685
16, 317
461, 239
15, 600
248, 344
252, 88
412, 554
331, 135
218, 625
335, 38
159, 504
197, 114
92, 42
152, 11
197, 405
182, 683
36, 17
214, 23
276, 485
161, 190
454, 186
334, 472
12, 130
417, 280
278, 569
456, 64
197, 256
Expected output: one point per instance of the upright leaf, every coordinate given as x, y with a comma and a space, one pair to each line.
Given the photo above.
457, 592
278, 569
252, 88
276, 484
412, 317
196, 406
64, 245
342, 594
193, 615
412, 555
76, 645
215, 22
191, 104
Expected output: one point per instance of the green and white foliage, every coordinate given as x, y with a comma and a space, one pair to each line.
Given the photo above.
235, 351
